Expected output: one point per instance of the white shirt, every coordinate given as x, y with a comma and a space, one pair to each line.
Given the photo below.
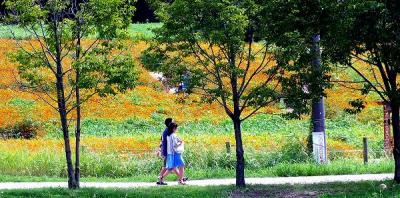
172, 142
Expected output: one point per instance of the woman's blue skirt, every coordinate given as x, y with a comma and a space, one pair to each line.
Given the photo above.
174, 161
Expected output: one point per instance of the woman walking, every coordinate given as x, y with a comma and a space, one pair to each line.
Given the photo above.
175, 148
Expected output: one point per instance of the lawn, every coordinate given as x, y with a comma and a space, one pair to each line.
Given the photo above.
362, 189
140, 31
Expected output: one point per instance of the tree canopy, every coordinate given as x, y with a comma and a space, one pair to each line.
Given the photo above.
57, 64
213, 44
364, 36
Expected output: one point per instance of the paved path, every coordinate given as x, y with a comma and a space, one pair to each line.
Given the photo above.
207, 182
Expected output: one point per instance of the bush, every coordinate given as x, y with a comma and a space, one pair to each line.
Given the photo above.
26, 129
294, 152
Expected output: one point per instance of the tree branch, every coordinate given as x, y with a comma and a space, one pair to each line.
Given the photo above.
369, 82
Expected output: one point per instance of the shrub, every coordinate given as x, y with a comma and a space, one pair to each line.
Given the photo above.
294, 152
26, 129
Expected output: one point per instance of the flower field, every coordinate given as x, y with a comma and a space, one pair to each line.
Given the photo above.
135, 156
132, 154
121, 133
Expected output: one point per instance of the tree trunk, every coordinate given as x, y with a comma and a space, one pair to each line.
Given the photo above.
318, 107
78, 106
62, 109
77, 133
240, 182
396, 140
63, 116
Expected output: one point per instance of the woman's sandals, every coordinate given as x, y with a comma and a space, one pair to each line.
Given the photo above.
182, 182
161, 182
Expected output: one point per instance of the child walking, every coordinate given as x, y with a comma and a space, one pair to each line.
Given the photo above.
175, 148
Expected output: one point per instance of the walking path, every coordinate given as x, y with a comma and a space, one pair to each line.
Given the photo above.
207, 182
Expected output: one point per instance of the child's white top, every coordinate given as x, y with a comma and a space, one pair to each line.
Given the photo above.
172, 141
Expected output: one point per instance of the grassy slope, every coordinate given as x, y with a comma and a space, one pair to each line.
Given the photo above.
140, 31
142, 110
147, 102
362, 189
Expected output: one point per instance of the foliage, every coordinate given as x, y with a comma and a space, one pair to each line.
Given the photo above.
209, 47
367, 32
100, 60
150, 95
63, 71
364, 45
294, 152
267, 128
291, 27
357, 106
31, 160
126, 149
134, 115
26, 129
193, 43
18, 102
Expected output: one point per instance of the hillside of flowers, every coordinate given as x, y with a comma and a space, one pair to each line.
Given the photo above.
124, 129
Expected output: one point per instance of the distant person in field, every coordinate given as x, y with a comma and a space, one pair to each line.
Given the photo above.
175, 148
163, 151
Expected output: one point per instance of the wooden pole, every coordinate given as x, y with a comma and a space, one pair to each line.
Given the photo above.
388, 145
365, 153
228, 147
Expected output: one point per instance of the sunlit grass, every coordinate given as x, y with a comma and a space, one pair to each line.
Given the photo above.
137, 31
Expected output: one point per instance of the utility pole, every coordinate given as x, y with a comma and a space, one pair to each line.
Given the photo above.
318, 109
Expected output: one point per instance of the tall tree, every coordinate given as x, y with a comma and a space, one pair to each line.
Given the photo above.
212, 42
364, 36
295, 27
56, 64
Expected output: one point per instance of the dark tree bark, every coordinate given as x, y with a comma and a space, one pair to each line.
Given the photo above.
64, 124
240, 164
62, 109
78, 35
396, 140
77, 134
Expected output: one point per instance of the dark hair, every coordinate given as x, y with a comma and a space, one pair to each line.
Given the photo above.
168, 121
171, 128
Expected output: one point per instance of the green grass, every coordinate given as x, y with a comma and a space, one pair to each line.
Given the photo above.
343, 128
205, 164
143, 31
361, 189
290, 160
202, 160
139, 192
137, 31
12, 31
281, 170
